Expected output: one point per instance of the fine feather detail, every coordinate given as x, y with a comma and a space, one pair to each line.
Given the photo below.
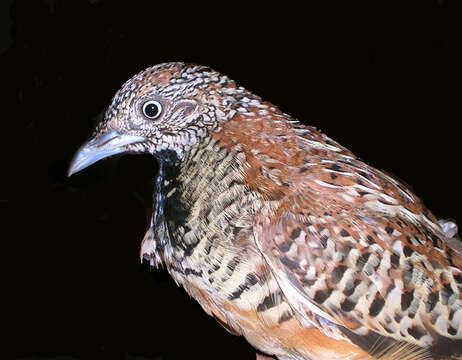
402, 351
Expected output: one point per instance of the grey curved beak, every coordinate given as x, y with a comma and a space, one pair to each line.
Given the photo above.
108, 144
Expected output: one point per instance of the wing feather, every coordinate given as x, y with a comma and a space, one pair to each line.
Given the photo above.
385, 277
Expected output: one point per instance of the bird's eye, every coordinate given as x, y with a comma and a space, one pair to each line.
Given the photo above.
152, 109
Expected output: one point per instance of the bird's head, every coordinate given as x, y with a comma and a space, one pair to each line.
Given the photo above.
164, 111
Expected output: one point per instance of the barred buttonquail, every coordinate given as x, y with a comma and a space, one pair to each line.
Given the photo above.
279, 232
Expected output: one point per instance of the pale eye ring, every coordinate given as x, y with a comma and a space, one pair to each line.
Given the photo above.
152, 109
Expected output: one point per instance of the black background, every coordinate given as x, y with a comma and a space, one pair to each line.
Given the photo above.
381, 79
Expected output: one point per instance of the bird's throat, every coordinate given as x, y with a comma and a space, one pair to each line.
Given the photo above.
159, 208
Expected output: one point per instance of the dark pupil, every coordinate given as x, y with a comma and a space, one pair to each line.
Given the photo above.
151, 110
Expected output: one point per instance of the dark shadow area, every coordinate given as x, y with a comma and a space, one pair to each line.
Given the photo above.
381, 80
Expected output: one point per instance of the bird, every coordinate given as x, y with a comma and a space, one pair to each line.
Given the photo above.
279, 232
